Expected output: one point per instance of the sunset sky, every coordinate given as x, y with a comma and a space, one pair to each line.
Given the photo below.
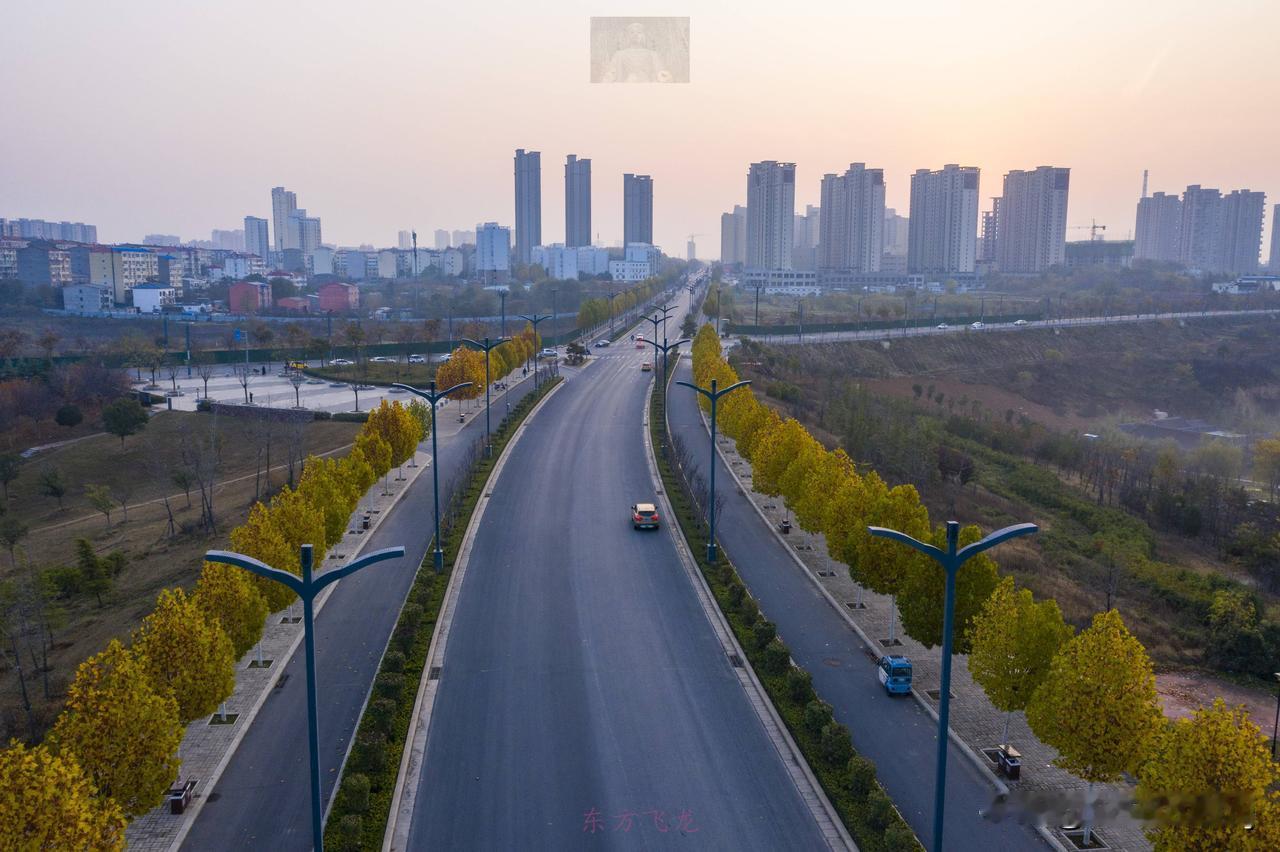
144, 116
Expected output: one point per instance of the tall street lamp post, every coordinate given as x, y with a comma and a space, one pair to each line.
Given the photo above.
951, 561
714, 396
486, 348
533, 320
432, 396
307, 587
665, 347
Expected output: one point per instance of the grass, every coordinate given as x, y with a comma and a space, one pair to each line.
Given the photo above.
847, 778
363, 800
155, 559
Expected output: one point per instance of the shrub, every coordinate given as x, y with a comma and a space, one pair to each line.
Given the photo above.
372, 752
388, 685
736, 593
749, 610
899, 838
346, 836
393, 661
350, 416
68, 415
817, 715
775, 657
356, 790
879, 810
862, 775
382, 714
763, 633
835, 744
800, 685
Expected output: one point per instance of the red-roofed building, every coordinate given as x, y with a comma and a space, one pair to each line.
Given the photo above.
339, 298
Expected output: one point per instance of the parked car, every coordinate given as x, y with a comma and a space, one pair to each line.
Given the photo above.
644, 516
1019, 322
978, 326
895, 674
646, 367
342, 362
417, 359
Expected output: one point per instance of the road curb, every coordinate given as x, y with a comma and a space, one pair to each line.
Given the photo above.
980, 762
192, 811
720, 624
400, 817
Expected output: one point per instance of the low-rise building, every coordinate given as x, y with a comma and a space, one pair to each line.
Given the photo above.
87, 298
153, 297
294, 304
249, 297
339, 298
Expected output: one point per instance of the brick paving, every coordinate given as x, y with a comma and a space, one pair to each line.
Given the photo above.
974, 721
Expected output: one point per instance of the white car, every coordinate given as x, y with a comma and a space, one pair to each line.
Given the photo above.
1019, 322
942, 326
382, 359
978, 326
341, 362
417, 359
547, 353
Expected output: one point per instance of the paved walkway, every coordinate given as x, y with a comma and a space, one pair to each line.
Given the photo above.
974, 720
208, 744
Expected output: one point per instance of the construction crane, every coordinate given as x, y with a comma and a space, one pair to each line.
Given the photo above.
1093, 228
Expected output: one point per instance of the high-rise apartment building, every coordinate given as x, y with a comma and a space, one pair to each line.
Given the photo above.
1031, 223
851, 232
404, 240
577, 202
255, 237
1201, 229
1240, 242
637, 209
39, 229
1274, 257
441, 239
528, 176
493, 248
771, 204
943, 234
1158, 235
462, 238
283, 204
895, 233
303, 231
733, 236
987, 236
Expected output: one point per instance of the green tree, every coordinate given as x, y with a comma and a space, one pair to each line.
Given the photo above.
185, 651
1235, 637
124, 734
53, 483
1205, 780
922, 592
1266, 464
1098, 705
68, 415
1012, 642
47, 802
100, 498
12, 532
98, 573
124, 417
10, 467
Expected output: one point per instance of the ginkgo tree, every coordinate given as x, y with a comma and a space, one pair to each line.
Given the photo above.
47, 802
122, 732
922, 592
1012, 642
227, 595
185, 651
881, 564
260, 537
1098, 706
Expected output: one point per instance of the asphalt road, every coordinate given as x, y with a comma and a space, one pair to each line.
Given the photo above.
583, 686
895, 733
262, 800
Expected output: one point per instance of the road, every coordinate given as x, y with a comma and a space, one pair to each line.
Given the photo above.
582, 677
927, 331
896, 733
262, 799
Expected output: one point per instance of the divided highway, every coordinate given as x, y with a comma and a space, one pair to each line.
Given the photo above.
585, 701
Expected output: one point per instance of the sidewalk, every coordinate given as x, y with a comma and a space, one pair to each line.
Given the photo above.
208, 744
974, 720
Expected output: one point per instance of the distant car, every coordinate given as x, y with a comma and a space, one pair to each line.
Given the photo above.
639, 341
417, 359
644, 516
646, 367
341, 362
942, 326
978, 326
315, 381
1019, 322
445, 357
382, 359
547, 353
601, 344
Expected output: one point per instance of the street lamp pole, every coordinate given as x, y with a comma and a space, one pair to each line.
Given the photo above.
665, 347
713, 395
1275, 729
757, 307
307, 587
951, 561
502, 297
486, 347
432, 396
533, 320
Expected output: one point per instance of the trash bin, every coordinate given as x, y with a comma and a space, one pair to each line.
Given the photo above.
1010, 764
784, 527
364, 523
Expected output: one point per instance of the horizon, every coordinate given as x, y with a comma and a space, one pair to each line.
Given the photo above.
184, 147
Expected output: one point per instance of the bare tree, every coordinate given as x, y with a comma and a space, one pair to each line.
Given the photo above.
244, 373
205, 369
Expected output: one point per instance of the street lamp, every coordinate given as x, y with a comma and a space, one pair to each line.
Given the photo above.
432, 397
502, 297
307, 587
1275, 729
758, 307
486, 347
951, 560
713, 395
664, 348
533, 320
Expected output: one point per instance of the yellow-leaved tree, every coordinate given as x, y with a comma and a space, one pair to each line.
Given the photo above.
391, 422
355, 470
47, 802
922, 592
1206, 780
1012, 641
376, 452
122, 732
880, 564
774, 452
261, 537
185, 651
821, 482
300, 523
323, 486
227, 595
464, 365
1098, 705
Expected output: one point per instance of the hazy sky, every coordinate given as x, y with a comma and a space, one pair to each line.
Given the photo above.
146, 116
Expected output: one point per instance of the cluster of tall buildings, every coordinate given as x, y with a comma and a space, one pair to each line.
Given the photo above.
39, 229
1205, 230
852, 233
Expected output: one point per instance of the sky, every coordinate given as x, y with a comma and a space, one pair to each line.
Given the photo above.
150, 116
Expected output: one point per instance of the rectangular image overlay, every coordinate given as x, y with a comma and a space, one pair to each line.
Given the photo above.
640, 50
